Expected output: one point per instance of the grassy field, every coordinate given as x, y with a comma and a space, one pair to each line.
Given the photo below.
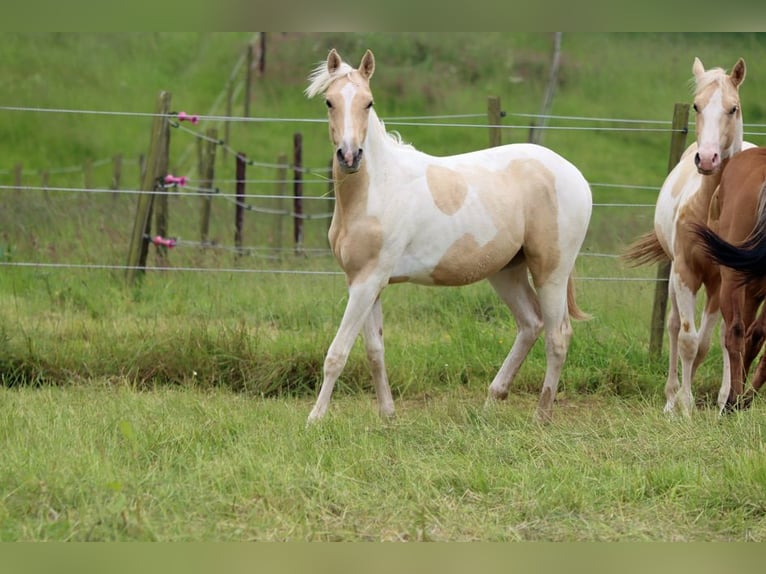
175, 409
104, 462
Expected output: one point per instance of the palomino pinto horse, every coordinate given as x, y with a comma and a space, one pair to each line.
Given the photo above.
402, 215
684, 200
741, 222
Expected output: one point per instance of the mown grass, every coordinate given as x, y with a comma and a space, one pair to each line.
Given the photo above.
104, 462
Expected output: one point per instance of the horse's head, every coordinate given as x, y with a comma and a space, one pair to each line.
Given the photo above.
719, 116
349, 101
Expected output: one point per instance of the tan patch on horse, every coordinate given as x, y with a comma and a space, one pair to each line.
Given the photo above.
466, 262
355, 237
521, 202
448, 188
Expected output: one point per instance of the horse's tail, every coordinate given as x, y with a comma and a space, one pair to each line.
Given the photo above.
644, 250
574, 311
749, 258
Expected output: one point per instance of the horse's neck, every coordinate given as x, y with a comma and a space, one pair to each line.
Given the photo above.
350, 189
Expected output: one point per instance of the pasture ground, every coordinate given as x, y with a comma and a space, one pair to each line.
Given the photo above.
106, 462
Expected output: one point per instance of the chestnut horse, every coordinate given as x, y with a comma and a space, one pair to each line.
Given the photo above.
400, 215
684, 200
738, 246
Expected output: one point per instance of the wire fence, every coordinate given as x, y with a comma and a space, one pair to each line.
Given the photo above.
213, 188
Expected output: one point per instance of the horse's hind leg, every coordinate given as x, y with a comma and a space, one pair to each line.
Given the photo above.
512, 285
558, 334
372, 332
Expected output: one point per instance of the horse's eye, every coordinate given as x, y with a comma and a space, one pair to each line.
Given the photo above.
369, 105
696, 108
733, 111
328, 103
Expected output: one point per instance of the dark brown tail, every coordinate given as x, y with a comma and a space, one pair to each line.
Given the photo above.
749, 258
644, 250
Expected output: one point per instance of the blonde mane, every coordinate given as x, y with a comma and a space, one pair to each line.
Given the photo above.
713, 75
320, 79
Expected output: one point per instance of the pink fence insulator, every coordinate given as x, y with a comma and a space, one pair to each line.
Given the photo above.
163, 241
171, 179
184, 117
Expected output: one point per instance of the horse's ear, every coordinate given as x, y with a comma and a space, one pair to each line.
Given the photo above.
738, 72
367, 67
333, 61
697, 68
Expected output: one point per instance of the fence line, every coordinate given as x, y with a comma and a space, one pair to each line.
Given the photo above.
108, 267
174, 121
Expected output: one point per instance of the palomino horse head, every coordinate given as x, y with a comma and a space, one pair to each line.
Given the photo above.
349, 101
719, 116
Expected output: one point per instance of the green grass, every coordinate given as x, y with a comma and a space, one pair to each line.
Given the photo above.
104, 462
175, 409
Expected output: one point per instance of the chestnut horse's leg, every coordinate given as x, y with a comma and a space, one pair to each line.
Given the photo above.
732, 304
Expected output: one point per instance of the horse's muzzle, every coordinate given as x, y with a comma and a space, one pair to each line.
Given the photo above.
708, 167
350, 160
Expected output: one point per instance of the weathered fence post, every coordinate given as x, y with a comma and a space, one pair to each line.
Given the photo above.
207, 175
161, 215
298, 192
248, 78
677, 145
227, 123
493, 120
239, 210
281, 191
153, 169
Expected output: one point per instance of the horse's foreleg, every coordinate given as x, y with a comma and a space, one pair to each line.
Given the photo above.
373, 342
360, 302
512, 286
673, 326
688, 341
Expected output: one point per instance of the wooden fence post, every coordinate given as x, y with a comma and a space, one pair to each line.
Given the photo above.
239, 210
227, 123
161, 214
493, 120
248, 78
152, 170
281, 191
298, 192
207, 175
677, 145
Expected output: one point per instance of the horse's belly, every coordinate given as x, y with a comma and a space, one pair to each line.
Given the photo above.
463, 262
